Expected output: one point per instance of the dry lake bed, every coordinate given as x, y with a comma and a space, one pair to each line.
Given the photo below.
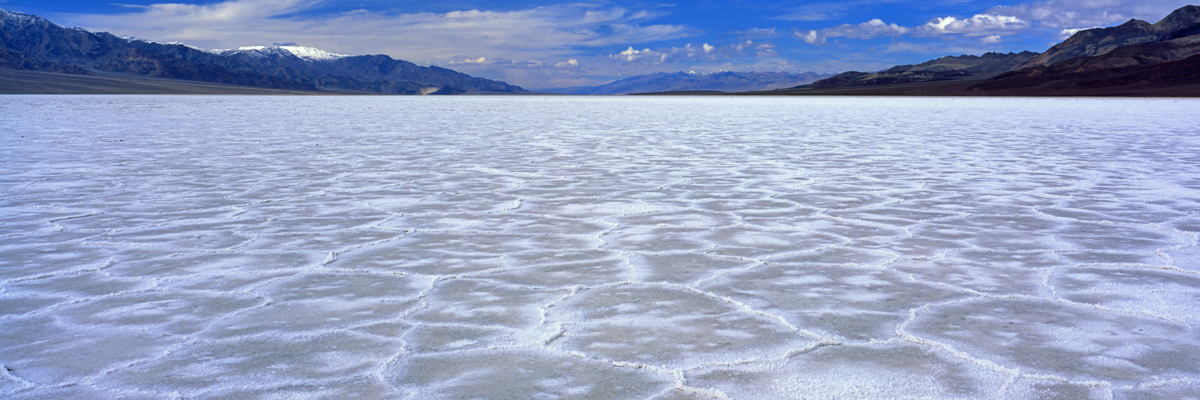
213, 247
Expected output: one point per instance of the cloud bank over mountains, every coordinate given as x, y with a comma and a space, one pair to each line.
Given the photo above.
573, 44
1066, 17
531, 33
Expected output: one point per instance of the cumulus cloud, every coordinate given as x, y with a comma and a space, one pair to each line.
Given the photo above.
537, 33
865, 30
1062, 17
987, 26
692, 52
810, 37
480, 60
1085, 13
978, 25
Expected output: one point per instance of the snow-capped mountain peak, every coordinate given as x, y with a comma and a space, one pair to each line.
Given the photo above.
314, 54
306, 53
21, 19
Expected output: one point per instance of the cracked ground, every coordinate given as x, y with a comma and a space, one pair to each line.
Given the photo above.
607, 247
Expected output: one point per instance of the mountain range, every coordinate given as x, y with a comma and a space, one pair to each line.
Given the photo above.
32, 43
1134, 58
724, 81
944, 68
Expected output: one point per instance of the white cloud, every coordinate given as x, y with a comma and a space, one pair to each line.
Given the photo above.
1065, 17
692, 52
865, 30
1074, 14
538, 33
756, 33
810, 37
989, 27
1067, 33
817, 12
631, 54
494, 62
978, 25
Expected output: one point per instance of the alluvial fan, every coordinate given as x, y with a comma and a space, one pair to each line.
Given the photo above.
624, 248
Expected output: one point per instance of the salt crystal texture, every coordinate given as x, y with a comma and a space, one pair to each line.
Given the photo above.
624, 248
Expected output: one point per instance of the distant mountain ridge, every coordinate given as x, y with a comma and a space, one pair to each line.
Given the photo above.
944, 68
1157, 62
1133, 53
682, 81
34, 43
1180, 24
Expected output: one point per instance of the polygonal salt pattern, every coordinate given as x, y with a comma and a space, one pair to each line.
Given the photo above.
682, 267
667, 327
42, 351
849, 303
1059, 389
978, 277
895, 370
520, 374
675, 248
344, 287
24, 262
1164, 293
444, 338
1074, 341
222, 368
1162, 389
305, 318
568, 274
169, 312
485, 303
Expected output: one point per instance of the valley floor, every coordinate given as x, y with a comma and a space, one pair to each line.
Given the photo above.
36, 82
659, 248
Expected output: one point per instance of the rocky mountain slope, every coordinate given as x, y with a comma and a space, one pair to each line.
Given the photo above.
1136, 52
1137, 55
683, 81
1148, 63
30, 42
1181, 26
945, 68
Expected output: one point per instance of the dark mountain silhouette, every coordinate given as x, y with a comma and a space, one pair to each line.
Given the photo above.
945, 68
683, 81
1158, 62
369, 73
29, 42
1180, 24
1135, 53
1134, 58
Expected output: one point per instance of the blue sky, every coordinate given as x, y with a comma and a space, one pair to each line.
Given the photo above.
542, 44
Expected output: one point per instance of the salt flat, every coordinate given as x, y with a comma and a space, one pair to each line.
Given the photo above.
625, 248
